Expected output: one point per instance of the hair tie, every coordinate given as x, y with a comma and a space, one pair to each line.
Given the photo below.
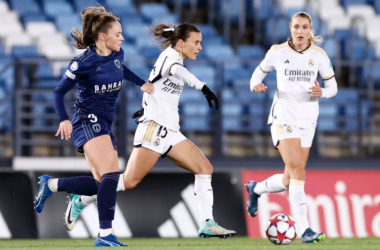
169, 29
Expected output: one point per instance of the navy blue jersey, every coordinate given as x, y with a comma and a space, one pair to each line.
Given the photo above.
99, 78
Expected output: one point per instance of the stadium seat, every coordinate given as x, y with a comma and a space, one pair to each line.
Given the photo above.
25, 7
196, 117
16, 39
24, 51
56, 8
65, 23
153, 10
251, 52
276, 30
332, 48
328, 111
36, 29
231, 114
347, 3
219, 52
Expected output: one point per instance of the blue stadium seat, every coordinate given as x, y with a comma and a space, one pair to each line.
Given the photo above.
355, 48
150, 52
80, 5
219, 52
258, 115
56, 8
204, 73
195, 116
65, 23
235, 72
45, 71
331, 47
277, 30
25, 7
140, 70
206, 29
252, 52
346, 3
231, 114
25, 51
33, 17
119, 3
168, 18
153, 10
370, 73
328, 111
212, 40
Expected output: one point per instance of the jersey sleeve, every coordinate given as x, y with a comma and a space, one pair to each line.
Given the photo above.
326, 69
130, 76
74, 71
268, 64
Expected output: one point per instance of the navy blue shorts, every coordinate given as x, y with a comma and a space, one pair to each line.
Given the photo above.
87, 126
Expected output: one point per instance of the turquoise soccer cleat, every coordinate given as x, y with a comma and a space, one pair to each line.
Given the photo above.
210, 228
74, 208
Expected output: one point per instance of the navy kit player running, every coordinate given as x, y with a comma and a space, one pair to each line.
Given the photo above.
294, 114
99, 73
158, 133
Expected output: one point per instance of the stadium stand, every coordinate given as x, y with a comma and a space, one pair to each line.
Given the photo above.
33, 44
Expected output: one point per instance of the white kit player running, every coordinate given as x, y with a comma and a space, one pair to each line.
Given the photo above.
158, 133
293, 115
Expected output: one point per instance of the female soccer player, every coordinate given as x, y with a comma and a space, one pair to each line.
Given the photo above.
158, 133
294, 114
99, 72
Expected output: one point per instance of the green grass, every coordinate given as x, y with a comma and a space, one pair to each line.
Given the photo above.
238, 243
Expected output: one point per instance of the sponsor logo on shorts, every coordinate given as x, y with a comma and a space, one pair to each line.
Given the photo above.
96, 127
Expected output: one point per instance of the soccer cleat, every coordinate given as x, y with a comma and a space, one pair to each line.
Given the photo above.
74, 208
43, 193
309, 236
108, 241
253, 198
210, 228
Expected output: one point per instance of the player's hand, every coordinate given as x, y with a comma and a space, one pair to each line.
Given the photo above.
316, 90
65, 129
261, 87
210, 96
147, 87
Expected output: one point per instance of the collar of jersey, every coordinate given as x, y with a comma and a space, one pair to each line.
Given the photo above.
174, 52
92, 48
299, 52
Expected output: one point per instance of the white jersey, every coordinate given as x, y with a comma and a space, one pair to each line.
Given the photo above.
168, 76
296, 74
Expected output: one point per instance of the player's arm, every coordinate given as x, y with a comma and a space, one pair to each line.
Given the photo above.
328, 76
182, 73
144, 86
266, 66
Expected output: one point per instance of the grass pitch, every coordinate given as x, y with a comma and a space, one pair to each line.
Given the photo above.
238, 243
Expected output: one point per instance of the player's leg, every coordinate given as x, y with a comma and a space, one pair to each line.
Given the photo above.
273, 184
76, 203
101, 153
295, 158
186, 155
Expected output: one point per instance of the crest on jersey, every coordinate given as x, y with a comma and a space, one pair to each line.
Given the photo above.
74, 66
289, 129
157, 142
96, 127
311, 62
117, 63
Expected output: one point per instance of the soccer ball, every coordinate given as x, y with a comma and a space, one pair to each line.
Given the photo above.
282, 229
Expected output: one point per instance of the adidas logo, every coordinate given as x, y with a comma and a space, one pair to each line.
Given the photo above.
86, 226
287, 61
98, 68
184, 217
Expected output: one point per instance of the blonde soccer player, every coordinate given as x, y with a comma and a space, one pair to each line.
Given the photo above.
294, 113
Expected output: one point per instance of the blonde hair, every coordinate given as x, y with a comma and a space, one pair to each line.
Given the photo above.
94, 21
312, 38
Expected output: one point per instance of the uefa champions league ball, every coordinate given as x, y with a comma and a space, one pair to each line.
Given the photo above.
281, 229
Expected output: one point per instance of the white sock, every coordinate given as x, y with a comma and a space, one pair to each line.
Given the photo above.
87, 200
297, 199
204, 196
53, 184
271, 185
105, 232
120, 184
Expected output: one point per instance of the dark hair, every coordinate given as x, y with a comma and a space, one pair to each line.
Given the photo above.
94, 21
168, 35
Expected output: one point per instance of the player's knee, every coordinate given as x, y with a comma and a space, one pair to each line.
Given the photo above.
207, 168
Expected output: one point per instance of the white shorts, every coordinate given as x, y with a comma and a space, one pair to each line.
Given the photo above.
283, 131
155, 137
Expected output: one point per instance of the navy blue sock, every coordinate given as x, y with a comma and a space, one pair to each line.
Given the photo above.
107, 199
84, 185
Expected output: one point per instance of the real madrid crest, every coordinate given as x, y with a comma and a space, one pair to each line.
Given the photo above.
289, 129
311, 62
117, 63
157, 142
